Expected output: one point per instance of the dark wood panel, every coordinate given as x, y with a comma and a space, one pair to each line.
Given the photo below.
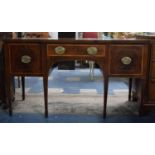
3, 35
151, 85
152, 70
153, 52
152, 91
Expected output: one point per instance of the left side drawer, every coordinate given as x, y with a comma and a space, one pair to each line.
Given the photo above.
25, 58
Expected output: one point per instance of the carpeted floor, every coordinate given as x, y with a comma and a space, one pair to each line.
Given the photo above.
75, 108
69, 103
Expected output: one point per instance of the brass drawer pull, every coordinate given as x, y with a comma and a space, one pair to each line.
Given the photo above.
26, 59
92, 50
60, 50
126, 60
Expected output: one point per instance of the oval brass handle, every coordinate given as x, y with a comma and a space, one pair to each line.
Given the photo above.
126, 60
92, 50
26, 59
60, 50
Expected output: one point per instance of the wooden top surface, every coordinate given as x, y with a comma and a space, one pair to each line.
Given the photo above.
76, 41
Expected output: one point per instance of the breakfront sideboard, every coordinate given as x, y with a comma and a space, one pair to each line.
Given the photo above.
133, 58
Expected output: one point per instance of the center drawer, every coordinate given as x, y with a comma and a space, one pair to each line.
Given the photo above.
75, 50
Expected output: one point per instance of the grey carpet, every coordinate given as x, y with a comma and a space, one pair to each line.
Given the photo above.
83, 104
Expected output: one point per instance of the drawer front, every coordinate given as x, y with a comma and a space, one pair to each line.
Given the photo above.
127, 59
96, 50
25, 58
75, 50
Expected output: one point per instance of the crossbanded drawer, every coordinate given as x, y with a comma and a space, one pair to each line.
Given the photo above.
127, 60
76, 50
25, 58
98, 50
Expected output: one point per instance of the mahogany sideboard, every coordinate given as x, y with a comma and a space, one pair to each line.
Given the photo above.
131, 58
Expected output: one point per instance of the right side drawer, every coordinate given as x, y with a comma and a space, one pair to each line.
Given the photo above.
127, 60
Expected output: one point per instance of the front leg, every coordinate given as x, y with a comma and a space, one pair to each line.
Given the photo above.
45, 82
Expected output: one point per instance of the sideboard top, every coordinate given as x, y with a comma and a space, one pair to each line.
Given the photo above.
77, 41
